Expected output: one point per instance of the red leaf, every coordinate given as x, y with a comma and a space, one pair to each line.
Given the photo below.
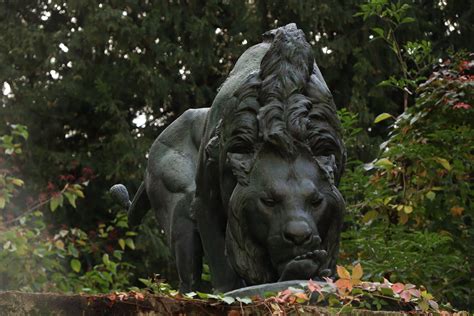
398, 287
328, 280
343, 284
406, 296
462, 105
314, 287
433, 304
415, 292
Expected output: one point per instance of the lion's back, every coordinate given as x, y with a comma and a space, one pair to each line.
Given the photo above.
248, 63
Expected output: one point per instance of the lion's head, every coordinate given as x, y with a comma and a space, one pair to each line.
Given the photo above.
280, 158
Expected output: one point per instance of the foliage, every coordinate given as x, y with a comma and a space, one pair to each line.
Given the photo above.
418, 53
69, 260
347, 293
33, 260
421, 181
80, 73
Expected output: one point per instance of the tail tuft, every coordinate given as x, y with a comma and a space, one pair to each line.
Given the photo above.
120, 194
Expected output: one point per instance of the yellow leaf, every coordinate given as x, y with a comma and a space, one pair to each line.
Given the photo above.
59, 244
430, 195
444, 163
357, 272
2, 202
343, 273
17, 182
382, 117
384, 163
122, 243
457, 210
407, 209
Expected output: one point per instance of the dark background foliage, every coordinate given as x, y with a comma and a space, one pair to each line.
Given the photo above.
84, 73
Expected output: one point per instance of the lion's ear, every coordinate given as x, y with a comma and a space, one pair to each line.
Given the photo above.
241, 165
328, 166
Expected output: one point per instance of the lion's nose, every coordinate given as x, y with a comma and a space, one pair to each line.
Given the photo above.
298, 232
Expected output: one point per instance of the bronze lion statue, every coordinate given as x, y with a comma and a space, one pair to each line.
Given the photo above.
251, 182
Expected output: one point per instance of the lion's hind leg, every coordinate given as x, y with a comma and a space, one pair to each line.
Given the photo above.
187, 247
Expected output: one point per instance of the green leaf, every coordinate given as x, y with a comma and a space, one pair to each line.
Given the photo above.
71, 198
444, 163
72, 250
147, 282
228, 299
118, 254
129, 242
430, 195
2, 202
269, 294
370, 215
379, 31
386, 291
122, 243
76, 265
202, 295
382, 117
56, 201
244, 300
384, 163
408, 20
105, 259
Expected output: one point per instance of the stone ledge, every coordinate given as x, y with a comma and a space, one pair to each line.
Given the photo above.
20, 303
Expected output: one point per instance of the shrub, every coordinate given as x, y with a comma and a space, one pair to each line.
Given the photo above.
415, 213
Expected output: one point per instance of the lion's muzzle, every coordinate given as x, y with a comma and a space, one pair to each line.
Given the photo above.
298, 232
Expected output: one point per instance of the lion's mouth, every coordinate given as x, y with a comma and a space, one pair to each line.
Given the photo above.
283, 252
317, 255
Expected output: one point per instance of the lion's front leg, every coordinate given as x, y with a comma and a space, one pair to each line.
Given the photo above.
307, 266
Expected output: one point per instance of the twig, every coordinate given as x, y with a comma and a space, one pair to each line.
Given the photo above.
35, 207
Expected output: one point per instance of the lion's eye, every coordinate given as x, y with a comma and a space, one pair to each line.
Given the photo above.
316, 200
268, 201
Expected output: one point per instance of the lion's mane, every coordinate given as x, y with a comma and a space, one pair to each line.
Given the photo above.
286, 105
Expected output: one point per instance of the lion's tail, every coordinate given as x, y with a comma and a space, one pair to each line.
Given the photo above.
135, 208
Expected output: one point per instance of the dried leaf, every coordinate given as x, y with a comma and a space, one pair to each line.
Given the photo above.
457, 210
357, 272
342, 272
314, 287
344, 284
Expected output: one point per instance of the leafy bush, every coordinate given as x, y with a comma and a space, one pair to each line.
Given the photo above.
36, 256
413, 221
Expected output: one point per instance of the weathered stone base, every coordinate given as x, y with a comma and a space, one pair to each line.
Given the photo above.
19, 303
